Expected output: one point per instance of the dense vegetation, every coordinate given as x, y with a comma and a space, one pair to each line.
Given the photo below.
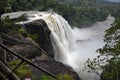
60, 77
76, 12
90, 11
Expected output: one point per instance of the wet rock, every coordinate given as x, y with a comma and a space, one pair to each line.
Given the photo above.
40, 28
54, 67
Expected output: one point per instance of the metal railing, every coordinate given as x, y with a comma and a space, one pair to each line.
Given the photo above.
23, 59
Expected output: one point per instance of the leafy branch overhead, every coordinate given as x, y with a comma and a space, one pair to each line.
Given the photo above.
108, 60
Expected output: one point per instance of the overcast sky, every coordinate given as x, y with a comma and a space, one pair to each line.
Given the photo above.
114, 0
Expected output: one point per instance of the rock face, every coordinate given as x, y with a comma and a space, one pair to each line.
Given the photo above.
40, 50
54, 67
29, 49
40, 28
21, 45
11, 38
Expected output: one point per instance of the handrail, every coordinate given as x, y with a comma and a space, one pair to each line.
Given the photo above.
22, 58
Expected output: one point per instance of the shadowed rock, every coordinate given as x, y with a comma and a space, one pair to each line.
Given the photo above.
54, 67
40, 28
29, 49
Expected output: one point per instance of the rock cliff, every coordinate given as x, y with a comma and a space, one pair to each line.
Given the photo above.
40, 50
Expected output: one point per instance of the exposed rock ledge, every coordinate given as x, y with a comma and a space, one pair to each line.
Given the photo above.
31, 49
54, 67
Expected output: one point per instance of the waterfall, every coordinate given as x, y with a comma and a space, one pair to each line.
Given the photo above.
74, 46
61, 36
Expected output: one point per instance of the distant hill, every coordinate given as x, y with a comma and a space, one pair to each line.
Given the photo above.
76, 12
88, 1
90, 11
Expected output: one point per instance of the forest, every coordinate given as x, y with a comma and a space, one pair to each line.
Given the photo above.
77, 12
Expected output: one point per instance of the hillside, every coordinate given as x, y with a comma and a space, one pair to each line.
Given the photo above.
89, 11
77, 12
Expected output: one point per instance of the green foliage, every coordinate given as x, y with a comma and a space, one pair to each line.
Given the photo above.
76, 12
22, 18
5, 6
7, 25
116, 13
60, 77
90, 11
33, 36
23, 71
21, 31
109, 59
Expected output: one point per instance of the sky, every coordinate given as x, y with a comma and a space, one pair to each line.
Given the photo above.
114, 0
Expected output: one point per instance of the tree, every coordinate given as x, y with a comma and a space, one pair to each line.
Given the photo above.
5, 6
109, 59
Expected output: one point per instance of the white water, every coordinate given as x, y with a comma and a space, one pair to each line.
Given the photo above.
89, 40
74, 46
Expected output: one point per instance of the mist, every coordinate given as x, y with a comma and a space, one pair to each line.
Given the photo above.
74, 46
88, 40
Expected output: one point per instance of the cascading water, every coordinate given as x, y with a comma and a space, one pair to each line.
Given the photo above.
74, 46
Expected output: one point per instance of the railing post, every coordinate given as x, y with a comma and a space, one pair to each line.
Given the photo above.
25, 60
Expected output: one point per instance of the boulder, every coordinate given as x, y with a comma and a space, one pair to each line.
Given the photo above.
54, 67
29, 49
40, 28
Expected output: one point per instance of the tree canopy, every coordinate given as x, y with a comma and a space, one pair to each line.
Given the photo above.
76, 12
